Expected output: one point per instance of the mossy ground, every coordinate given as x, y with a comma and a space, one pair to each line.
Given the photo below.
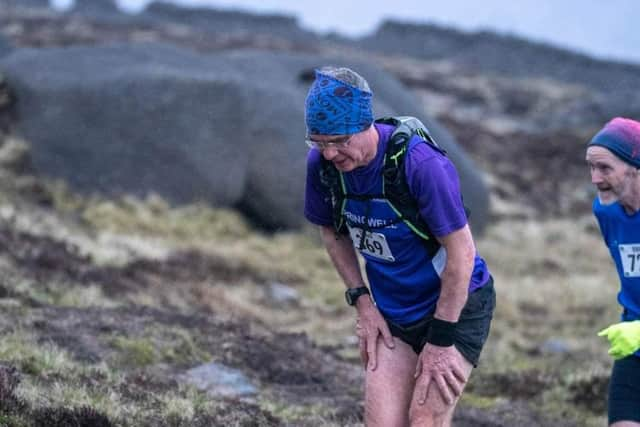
123, 348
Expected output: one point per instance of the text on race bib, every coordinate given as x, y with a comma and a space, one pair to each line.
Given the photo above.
374, 244
630, 257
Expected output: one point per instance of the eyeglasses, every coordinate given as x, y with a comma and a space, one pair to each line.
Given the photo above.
337, 143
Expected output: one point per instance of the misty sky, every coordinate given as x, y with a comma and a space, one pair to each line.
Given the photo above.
608, 29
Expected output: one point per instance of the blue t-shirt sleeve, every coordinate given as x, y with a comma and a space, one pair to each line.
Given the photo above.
433, 181
317, 201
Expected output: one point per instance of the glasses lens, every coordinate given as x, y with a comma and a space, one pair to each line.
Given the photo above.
321, 145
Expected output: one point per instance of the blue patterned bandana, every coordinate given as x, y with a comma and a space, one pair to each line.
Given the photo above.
336, 108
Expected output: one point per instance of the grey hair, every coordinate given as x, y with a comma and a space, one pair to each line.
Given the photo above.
348, 76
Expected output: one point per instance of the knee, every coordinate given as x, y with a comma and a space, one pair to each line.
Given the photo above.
385, 416
427, 419
433, 413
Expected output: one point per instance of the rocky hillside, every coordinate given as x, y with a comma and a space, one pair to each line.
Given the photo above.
509, 116
508, 56
131, 311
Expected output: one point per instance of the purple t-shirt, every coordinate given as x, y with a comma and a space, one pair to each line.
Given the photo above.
404, 279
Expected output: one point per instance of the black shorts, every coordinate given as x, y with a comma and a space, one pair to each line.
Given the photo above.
472, 329
624, 390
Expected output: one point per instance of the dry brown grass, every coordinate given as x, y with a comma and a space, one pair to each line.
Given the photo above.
555, 283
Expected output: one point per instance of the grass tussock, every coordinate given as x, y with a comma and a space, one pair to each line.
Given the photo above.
22, 349
136, 352
63, 294
151, 216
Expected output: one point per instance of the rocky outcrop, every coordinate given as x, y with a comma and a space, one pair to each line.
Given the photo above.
132, 119
229, 22
95, 7
225, 128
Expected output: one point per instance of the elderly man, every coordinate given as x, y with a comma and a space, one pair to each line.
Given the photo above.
613, 156
387, 190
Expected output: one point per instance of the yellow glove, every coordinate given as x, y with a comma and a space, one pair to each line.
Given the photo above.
624, 338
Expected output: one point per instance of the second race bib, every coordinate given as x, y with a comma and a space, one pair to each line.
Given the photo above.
630, 257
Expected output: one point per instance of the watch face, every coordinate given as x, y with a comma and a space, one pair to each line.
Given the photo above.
347, 296
351, 295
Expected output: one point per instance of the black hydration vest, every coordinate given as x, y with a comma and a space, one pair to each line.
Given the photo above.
395, 188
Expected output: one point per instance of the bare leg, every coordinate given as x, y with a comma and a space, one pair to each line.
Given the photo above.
389, 388
435, 412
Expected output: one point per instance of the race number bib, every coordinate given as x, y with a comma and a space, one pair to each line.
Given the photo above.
374, 244
630, 256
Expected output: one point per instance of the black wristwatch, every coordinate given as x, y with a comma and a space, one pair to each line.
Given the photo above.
352, 294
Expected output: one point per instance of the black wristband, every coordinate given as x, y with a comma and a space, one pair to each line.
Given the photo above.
441, 332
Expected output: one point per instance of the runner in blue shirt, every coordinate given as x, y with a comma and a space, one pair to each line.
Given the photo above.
425, 315
613, 156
